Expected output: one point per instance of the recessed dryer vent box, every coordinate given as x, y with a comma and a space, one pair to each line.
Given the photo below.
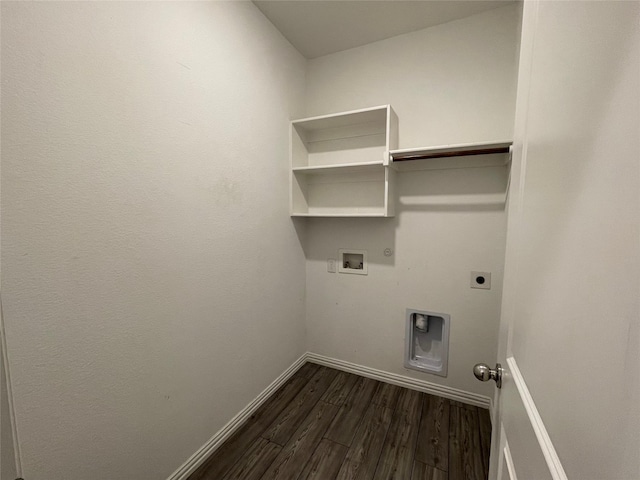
352, 261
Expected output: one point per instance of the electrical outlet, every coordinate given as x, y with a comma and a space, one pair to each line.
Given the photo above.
481, 280
331, 265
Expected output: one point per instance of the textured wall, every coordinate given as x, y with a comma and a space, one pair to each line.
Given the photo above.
452, 83
153, 283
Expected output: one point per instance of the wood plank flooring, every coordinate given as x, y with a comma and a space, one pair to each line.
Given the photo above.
323, 424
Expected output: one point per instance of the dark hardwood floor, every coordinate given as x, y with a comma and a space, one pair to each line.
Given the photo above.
324, 424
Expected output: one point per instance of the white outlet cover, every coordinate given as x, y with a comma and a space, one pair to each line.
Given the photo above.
481, 280
331, 265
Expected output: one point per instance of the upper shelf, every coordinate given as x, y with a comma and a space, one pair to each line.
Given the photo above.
373, 115
357, 136
449, 152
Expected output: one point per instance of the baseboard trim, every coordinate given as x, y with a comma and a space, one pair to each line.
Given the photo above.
225, 432
402, 381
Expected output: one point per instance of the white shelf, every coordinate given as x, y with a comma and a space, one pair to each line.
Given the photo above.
340, 168
338, 214
339, 164
354, 117
463, 155
344, 164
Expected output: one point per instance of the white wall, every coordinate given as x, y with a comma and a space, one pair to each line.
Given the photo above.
452, 83
152, 279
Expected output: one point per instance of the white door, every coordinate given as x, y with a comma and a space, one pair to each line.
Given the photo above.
569, 406
9, 455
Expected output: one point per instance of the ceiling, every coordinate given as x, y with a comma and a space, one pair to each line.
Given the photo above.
320, 27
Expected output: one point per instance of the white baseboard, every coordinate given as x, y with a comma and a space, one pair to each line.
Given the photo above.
402, 381
225, 432
229, 429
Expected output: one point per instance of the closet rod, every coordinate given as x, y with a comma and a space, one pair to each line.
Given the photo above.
402, 157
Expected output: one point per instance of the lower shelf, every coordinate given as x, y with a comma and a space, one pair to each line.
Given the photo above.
321, 213
361, 194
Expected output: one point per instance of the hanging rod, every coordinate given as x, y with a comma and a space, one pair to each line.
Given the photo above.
453, 153
462, 150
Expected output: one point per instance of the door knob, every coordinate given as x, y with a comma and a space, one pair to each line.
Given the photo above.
484, 373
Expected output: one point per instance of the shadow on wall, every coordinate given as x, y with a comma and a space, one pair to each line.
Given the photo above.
300, 226
371, 234
465, 190
453, 190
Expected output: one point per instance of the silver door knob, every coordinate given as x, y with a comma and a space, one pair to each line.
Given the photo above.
484, 373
